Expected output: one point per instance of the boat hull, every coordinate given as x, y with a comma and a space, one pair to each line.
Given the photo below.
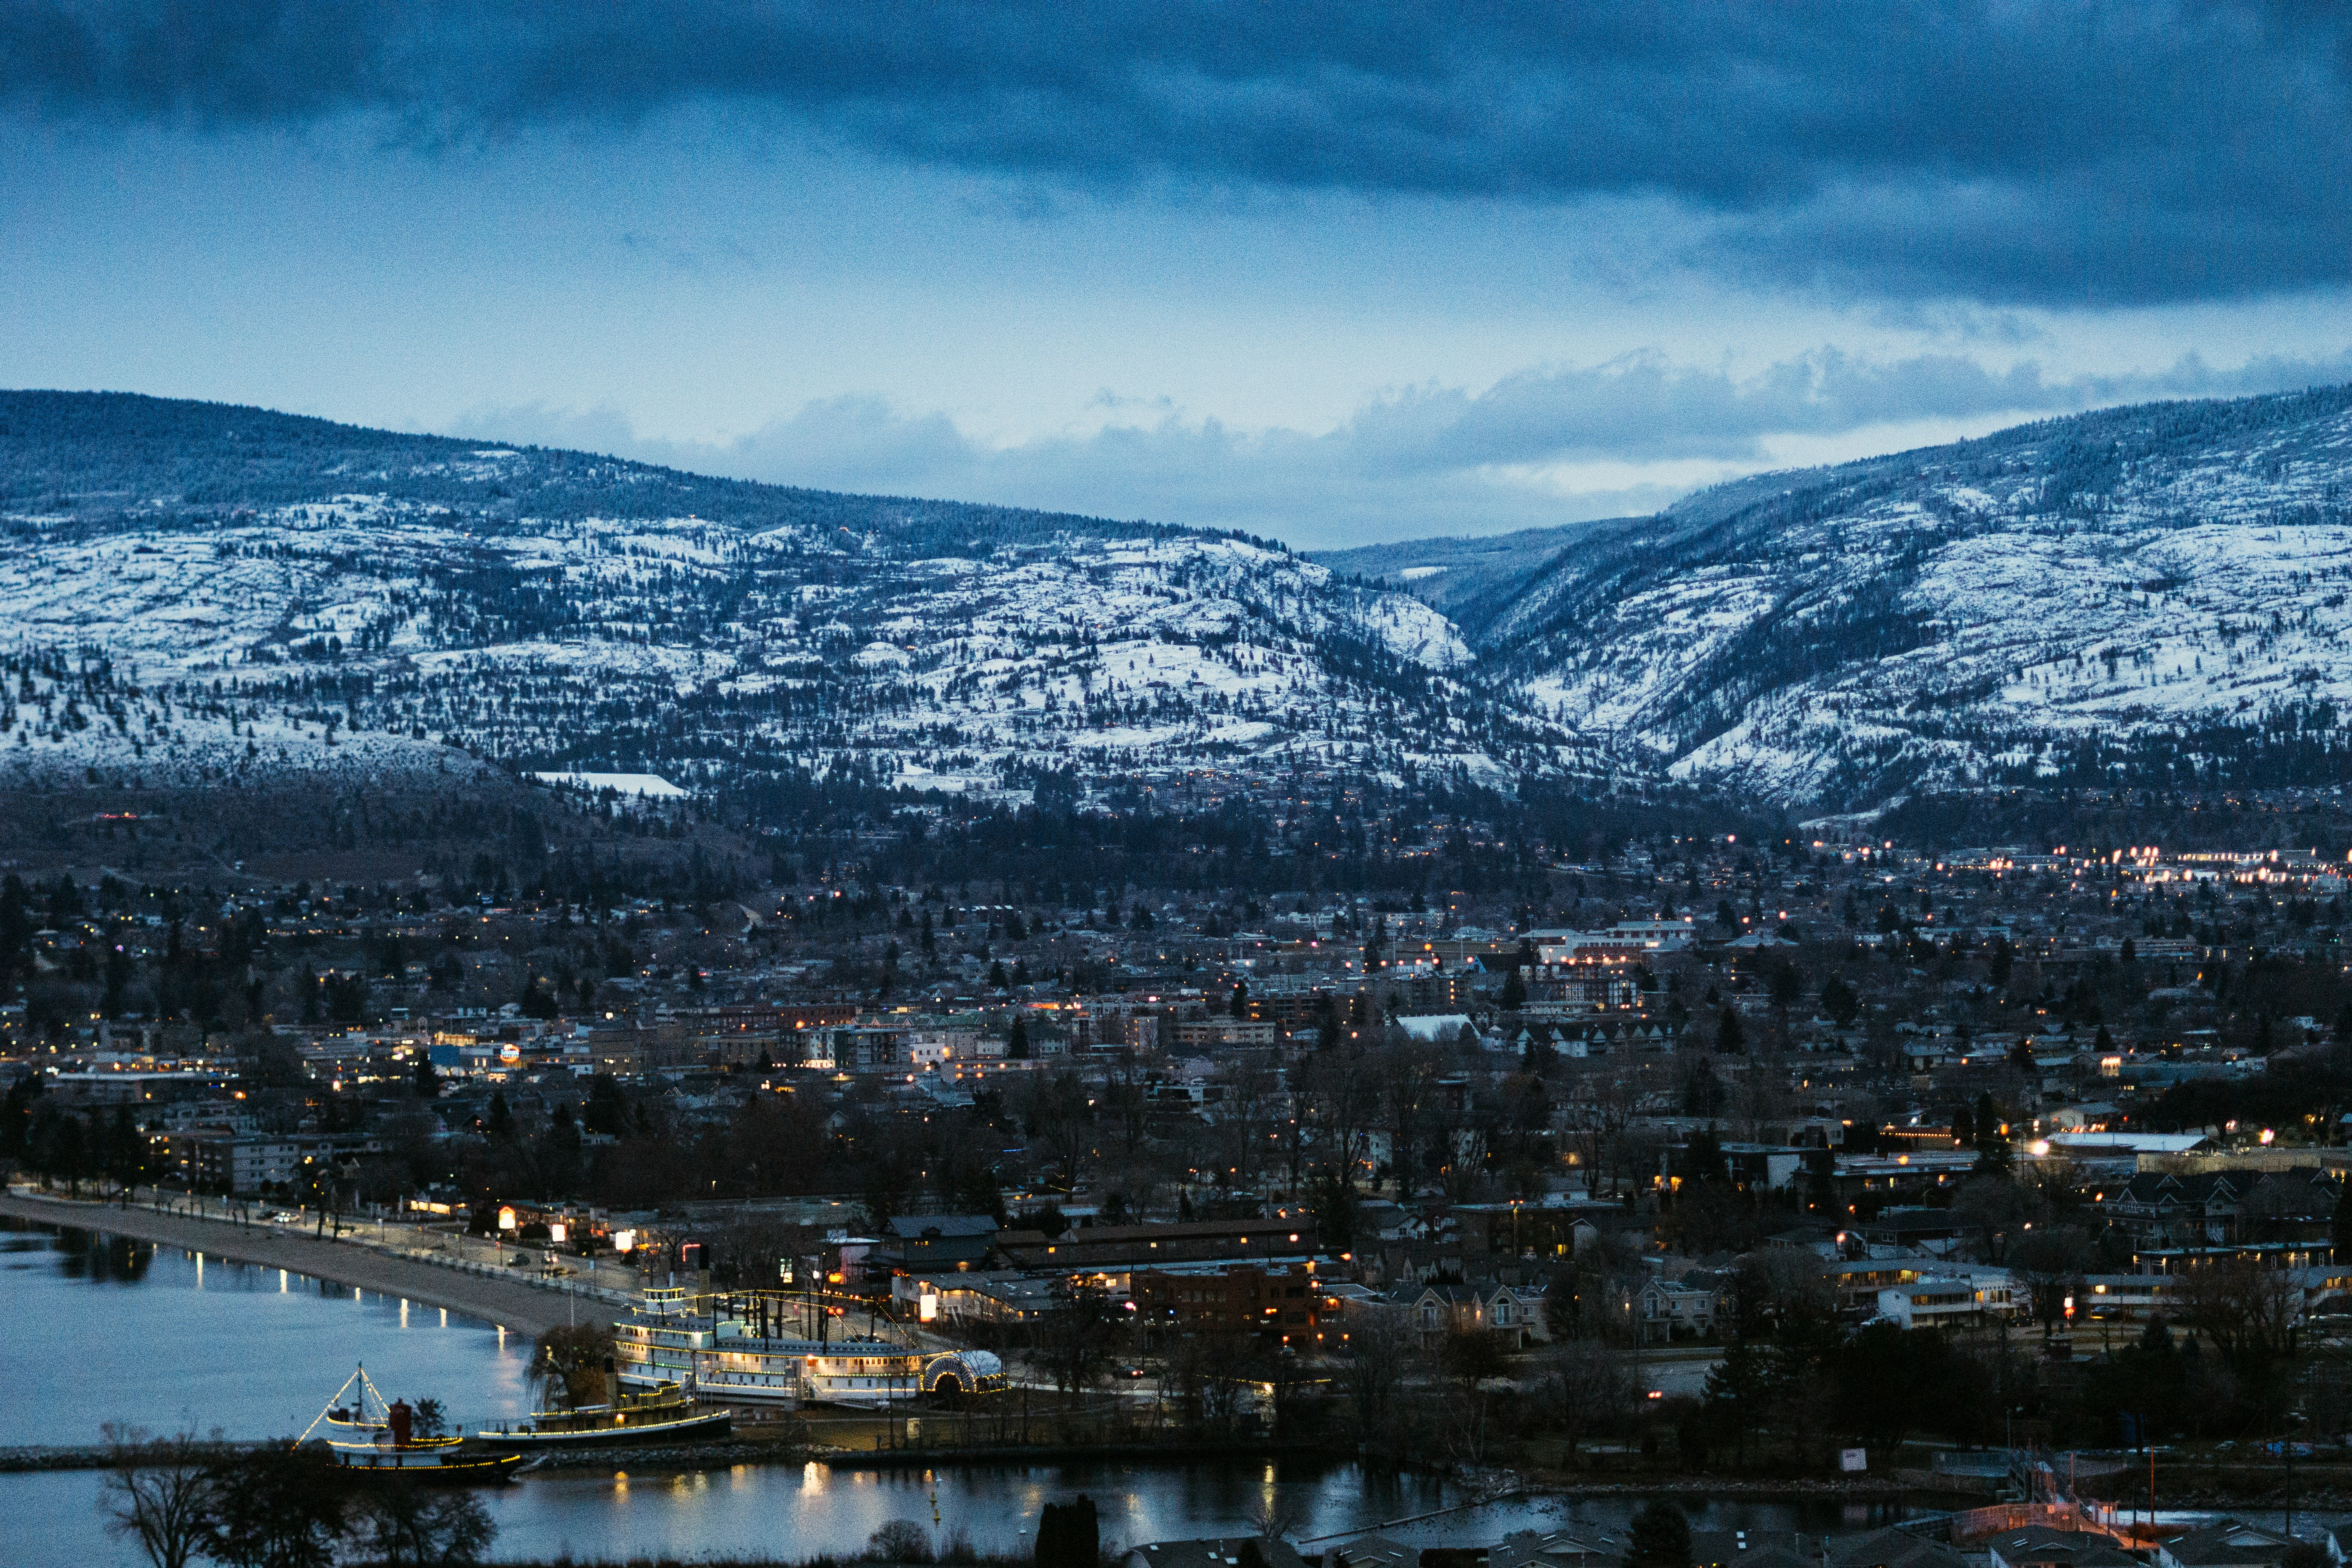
717, 1424
469, 1470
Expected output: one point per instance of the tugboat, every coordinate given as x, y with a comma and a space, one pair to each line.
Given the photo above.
383, 1444
664, 1414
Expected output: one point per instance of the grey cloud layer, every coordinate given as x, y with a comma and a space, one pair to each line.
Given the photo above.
2000, 151
1422, 462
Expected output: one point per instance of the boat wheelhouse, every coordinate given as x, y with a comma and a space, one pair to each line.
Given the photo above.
742, 1346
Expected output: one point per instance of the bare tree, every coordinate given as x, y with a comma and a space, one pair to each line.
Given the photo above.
1600, 1115
1594, 1387
159, 1491
2248, 1311
1405, 1071
1245, 1120
569, 1360
1074, 1340
2050, 1262
1595, 1296
1060, 1118
1380, 1351
1122, 1102
1996, 1209
408, 1527
1784, 1288
1210, 1374
746, 1251
1338, 1099
1759, 1100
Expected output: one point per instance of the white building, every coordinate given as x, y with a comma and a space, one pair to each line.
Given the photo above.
1938, 1300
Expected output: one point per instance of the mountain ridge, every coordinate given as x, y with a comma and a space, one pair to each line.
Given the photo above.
2040, 604
252, 590
2149, 597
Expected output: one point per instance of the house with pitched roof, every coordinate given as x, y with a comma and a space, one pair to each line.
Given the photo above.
2226, 1543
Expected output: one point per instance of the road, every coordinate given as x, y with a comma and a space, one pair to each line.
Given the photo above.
403, 1262
1676, 1373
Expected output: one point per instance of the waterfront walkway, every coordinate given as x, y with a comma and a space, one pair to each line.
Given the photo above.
396, 1265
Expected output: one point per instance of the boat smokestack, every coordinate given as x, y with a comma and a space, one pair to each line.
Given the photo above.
611, 1385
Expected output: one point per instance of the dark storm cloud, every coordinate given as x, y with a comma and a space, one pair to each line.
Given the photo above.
2018, 152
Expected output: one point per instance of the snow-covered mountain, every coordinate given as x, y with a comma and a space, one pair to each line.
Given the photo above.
2145, 597
197, 591
2142, 597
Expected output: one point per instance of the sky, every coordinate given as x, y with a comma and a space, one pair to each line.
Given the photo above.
1335, 274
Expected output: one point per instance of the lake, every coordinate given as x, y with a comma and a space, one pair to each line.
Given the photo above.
102, 1329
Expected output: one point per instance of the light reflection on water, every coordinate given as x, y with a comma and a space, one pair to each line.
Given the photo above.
790, 1512
809, 1510
99, 1329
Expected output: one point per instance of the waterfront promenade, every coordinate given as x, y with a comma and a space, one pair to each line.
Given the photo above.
397, 1261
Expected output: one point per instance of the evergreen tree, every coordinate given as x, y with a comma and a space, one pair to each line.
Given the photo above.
1068, 1535
1660, 1537
16, 1117
607, 1111
118, 972
1994, 1155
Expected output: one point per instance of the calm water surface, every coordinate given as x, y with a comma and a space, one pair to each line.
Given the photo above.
100, 1329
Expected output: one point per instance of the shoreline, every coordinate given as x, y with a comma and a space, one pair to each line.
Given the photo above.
509, 1303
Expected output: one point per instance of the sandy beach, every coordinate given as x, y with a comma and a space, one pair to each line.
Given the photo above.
526, 1307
